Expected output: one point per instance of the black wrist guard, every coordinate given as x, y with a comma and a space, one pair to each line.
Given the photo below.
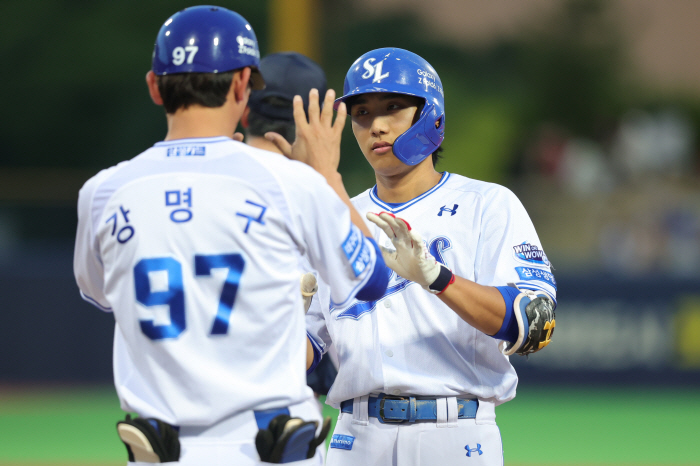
444, 279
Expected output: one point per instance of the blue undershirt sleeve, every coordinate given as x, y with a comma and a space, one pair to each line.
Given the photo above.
509, 330
377, 283
317, 354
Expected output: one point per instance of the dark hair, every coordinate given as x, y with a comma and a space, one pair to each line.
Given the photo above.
259, 124
184, 89
437, 155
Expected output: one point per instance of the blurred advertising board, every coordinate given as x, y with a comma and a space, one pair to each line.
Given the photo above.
621, 330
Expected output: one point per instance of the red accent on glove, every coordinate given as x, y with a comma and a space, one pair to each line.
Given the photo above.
404, 221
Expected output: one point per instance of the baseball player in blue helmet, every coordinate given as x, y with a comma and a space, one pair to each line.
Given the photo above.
422, 368
195, 246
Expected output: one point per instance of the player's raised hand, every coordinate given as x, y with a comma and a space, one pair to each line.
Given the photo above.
317, 140
317, 144
411, 259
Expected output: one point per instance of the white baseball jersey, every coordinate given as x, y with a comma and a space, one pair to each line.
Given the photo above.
410, 342
196, 247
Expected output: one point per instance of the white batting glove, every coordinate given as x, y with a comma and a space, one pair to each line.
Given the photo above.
309, 287
411, 259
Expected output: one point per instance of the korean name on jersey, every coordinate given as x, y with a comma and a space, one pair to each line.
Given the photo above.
196, 246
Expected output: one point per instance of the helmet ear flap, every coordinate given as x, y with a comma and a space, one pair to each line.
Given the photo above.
421, 139
435, 128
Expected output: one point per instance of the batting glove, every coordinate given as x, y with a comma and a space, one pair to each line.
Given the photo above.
309, 287
411, 259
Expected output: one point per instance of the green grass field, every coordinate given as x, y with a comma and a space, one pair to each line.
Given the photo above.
556, 426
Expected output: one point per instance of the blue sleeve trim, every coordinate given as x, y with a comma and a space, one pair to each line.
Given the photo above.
532, 287
509, 330
94, 302
317, 354
378, 281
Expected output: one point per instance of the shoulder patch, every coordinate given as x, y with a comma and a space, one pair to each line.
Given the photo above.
531, 273
352, 242
530, 253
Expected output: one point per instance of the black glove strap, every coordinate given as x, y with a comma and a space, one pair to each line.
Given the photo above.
444, 278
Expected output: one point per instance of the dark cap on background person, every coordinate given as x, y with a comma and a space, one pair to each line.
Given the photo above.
286, 74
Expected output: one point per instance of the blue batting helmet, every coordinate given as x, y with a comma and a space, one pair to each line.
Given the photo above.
207, 39
402, 72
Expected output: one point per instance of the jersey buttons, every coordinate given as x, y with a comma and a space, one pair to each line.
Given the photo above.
387, 303
389, 353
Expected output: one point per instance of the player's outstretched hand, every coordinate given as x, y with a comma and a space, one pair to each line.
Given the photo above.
411, 259
317, 140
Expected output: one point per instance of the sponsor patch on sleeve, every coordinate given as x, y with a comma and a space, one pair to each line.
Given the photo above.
343, 442
352, 242
362, 260
530, 273
530, 253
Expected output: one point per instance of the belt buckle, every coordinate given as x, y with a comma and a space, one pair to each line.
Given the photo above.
381, 409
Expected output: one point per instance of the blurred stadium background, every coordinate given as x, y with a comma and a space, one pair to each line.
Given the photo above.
589, 110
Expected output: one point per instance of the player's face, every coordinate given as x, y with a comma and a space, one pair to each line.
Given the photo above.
377, 120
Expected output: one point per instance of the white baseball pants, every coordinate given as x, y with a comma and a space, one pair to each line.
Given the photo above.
362, 440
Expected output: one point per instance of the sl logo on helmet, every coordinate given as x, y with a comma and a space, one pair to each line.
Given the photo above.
373, 70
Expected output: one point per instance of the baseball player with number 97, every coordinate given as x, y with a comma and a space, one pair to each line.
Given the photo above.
423, 367
196, 247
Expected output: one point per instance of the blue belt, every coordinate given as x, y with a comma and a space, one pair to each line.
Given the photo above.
389, 408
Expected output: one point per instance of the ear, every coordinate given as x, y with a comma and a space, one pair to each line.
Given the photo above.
244, 118
239, 85
152, 82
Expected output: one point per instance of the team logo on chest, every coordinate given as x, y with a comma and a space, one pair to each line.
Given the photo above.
452, 211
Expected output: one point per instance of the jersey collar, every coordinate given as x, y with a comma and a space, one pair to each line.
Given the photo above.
179, 142
394, 208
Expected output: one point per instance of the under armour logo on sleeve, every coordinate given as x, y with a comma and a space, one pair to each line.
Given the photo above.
452, 211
